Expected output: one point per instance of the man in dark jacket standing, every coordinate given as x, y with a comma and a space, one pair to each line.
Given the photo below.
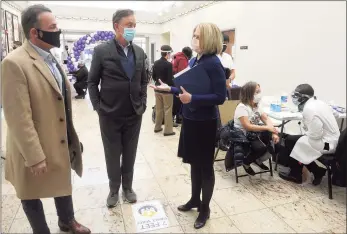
162, 69
120, 103
81, 80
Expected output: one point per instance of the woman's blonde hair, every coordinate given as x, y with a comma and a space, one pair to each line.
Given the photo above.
210, 39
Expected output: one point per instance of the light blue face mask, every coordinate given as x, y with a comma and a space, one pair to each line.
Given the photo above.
129, 34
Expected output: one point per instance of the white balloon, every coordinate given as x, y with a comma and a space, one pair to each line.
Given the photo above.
89, 38
72, 55
73, 60
92, 34
75, 64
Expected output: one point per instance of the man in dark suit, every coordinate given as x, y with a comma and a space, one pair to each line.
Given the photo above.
120, 103
81, 80
162, 69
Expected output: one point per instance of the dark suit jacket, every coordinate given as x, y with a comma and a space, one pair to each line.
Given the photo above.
162, 69
117, 90
81, 75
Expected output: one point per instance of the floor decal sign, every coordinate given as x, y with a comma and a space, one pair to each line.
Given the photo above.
150, 216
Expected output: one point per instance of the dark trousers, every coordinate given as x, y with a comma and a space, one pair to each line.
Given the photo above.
294, 165
203, 180
79, 86
176, 108
36, 216
259, 147
120, 136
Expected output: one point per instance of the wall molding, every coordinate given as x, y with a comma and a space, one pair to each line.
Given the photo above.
93, 19
12, 4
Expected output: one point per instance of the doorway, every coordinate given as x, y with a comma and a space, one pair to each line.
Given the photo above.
230, 47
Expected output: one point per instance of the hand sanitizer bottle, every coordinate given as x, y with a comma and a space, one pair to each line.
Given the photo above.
284, 99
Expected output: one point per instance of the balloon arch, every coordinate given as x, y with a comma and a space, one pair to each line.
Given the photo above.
81, 43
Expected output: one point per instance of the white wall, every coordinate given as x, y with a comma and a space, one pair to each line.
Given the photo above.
289, 43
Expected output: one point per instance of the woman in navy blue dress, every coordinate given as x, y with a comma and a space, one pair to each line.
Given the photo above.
197, 139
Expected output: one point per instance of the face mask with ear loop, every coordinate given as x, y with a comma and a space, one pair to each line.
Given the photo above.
257, 98
52, 38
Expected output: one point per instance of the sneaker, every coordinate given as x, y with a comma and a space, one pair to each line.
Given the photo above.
79, 97
262, 166
249, 170
129, 195
112, 199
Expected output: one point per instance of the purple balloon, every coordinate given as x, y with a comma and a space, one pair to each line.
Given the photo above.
92, 41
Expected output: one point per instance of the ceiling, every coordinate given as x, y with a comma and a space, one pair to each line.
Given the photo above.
146, 11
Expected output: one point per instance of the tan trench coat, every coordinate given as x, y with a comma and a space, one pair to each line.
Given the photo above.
35, 115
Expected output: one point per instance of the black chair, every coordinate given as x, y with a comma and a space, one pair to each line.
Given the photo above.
238, 163
328, 160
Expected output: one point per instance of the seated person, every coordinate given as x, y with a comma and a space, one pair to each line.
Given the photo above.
249, 118
81, 80
322, 135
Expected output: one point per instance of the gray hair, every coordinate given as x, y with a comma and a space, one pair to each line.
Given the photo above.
30, 17
120, 14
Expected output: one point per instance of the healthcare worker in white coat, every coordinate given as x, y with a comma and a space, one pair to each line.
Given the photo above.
321, 136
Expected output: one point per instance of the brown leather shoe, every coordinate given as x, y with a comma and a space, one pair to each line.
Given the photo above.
74, 227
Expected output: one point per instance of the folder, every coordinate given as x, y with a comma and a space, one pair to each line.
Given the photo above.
195, 81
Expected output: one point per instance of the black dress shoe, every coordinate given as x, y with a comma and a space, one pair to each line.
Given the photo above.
249, 170
290, 177
204, 215
79, 97
189, 205
262, 166
169, 134
318, 176
159, 130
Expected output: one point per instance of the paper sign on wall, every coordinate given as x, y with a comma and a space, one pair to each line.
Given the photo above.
150, 216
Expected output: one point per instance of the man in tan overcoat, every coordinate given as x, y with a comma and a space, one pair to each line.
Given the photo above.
42, 144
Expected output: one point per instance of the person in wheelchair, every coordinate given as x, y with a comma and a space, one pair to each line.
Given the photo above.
255, 125
321, 137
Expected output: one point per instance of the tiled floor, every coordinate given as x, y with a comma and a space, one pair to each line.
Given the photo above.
260, 204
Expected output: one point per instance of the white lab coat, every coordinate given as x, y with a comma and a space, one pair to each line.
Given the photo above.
321, 127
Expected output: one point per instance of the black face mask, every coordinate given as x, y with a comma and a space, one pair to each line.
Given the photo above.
224, 48
52, 38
